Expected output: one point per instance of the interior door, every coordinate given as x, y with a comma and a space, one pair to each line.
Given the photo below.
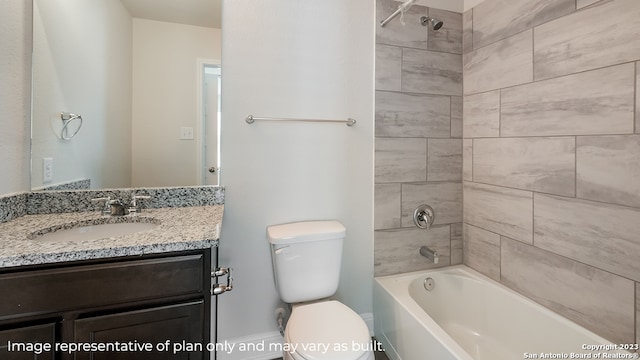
211, 121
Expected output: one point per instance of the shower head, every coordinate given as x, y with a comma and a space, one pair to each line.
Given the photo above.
435, 23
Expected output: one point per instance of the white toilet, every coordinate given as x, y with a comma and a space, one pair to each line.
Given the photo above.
306, 265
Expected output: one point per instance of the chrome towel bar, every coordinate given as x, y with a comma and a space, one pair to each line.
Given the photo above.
251, 119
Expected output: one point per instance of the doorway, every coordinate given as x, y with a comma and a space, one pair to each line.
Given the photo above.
209, 90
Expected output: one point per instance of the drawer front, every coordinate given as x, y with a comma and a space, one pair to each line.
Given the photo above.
86, 286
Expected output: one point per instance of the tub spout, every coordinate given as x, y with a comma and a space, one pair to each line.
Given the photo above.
429, 254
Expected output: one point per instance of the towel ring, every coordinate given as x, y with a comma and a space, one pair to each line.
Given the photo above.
67, 118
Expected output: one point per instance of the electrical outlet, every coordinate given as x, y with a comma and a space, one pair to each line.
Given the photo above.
186, 133
47, 169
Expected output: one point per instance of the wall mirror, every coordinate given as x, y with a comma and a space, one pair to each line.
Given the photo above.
125, 93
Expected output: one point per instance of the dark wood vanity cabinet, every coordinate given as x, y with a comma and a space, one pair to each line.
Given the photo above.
142, 301
44, 333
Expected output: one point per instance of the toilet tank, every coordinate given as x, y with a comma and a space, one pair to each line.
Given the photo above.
306, 259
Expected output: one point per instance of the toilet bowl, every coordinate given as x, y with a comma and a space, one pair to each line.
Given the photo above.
306, 264
327, 330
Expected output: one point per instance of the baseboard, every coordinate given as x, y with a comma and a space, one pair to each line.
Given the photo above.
368, 319
252, 347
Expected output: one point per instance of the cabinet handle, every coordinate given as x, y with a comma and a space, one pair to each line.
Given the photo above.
216, 288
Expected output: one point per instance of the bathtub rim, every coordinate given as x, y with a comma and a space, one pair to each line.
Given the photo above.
397, 286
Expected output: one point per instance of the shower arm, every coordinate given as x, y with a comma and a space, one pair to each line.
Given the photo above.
391, 17
401, 8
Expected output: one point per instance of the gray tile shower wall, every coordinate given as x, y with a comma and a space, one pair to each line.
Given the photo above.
418, 127
551, 155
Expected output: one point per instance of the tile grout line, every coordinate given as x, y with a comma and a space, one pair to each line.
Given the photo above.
473, 147
401, 201
450, 116
412, 93
401, 67
575, 167
472, 32
569, 197
533, 219
500, 260
553, 77
427, 159
635, 99
553, 253
500, 114
533, 54
417, 48
541, 136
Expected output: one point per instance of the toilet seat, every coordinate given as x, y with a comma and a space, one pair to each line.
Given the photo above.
330, 330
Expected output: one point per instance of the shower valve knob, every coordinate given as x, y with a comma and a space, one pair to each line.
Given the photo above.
424, 216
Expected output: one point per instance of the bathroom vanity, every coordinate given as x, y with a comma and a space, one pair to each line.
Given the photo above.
148, 299
145, 294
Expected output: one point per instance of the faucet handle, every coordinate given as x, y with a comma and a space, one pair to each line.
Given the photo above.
135, 198
424, 216
133, 205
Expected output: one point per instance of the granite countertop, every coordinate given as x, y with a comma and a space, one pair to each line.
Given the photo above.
179, 228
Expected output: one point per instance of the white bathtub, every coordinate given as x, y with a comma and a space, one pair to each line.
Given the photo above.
469, 316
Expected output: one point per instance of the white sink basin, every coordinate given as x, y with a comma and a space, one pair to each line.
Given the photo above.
94, 232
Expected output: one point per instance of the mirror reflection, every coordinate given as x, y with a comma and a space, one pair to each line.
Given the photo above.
125, 93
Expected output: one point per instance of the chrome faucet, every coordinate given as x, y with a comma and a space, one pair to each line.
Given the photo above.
106, 208
111, 207
116, 207
429, 254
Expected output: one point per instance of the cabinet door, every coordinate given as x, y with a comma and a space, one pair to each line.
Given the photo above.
40, 334
177, 324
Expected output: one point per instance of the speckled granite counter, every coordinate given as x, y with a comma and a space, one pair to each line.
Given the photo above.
183, 228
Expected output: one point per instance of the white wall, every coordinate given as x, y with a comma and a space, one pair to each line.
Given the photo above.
164, 99
309, 59
82, 64
15, 77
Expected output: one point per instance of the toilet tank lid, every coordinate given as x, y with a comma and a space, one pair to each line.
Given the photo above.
305, 231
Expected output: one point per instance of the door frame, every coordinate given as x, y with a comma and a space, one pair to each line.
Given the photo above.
200, 65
